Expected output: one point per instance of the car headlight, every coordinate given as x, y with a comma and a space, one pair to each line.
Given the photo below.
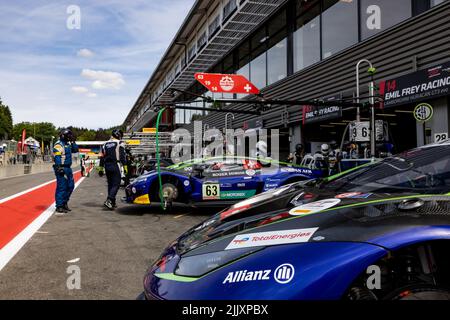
196, 266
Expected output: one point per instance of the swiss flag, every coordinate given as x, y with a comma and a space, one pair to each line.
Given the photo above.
226, 83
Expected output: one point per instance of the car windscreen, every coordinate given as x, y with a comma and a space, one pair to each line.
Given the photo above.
423, 170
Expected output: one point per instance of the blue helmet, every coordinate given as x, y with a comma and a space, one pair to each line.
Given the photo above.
117, 133
66, 135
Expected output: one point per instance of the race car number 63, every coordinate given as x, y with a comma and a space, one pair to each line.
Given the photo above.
211, 191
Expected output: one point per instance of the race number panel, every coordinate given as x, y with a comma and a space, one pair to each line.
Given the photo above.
360, 131
211, 191
439, 137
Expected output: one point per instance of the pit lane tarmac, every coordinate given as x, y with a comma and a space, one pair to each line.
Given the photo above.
112, 249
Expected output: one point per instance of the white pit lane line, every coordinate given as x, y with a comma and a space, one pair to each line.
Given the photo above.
13, 247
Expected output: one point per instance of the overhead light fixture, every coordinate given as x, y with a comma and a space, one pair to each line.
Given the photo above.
386, 115
403, 111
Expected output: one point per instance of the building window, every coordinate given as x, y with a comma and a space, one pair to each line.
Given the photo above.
379, 15
177, 69
258, 71
229, 9
436, 2
277, 44
182, 62
307, 35
245, 71
214, 26
202, 40
277, 62
339, 26
192, 52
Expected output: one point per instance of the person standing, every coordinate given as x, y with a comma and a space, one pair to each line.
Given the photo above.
113, 156
83, 165
62, 156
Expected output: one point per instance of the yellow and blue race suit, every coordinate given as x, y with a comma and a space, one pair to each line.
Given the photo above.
62, 154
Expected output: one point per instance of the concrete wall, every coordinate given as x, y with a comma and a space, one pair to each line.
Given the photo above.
19, 169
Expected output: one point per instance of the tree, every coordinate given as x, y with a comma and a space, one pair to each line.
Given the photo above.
88, 135
6, 122
41, 131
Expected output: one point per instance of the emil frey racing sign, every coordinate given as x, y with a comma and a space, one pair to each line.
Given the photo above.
318, 114
418, 86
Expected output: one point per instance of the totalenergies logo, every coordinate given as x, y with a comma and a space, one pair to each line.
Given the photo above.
241, 241
227, 83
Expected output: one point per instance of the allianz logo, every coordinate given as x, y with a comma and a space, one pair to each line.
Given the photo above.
282, 274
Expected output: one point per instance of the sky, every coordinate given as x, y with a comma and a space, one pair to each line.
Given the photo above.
86, 69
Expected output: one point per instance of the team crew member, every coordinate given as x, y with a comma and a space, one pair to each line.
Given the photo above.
113, 156
62, 155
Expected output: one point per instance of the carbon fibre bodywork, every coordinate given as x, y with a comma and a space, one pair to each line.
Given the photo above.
310, 240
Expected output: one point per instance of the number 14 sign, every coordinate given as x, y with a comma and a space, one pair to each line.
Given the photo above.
226, 83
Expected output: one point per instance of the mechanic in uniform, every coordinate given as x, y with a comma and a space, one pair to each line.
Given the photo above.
297, 157
321, 158
334, 158
62, 155
113, 157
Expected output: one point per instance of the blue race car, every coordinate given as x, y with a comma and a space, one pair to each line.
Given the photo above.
215, 181
380, 232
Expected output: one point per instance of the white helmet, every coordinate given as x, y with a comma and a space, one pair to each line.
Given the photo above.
325, 149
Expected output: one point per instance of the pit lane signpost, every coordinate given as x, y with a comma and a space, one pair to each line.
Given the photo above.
226, 83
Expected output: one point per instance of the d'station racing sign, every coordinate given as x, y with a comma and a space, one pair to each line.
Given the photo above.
418, 86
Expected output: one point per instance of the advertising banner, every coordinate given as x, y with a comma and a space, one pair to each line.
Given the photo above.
416, 87
318, 114
226, 83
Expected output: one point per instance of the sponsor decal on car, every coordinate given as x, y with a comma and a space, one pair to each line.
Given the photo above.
297, 170
354, 195
314, 207
244, 194
347, 195
250, 172
363, 196
283, 274
271, 238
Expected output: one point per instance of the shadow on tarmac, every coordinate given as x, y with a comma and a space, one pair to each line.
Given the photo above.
177, 209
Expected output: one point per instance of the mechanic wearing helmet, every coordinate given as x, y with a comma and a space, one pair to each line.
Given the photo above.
321, 158
62, 155
113, 156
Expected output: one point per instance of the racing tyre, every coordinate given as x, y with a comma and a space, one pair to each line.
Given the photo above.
170, 194
419, 292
